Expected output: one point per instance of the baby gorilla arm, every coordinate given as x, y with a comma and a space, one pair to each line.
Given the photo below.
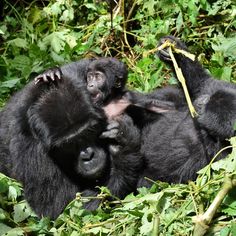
123, 139
126, 160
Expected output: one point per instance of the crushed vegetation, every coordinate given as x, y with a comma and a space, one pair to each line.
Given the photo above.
38, 35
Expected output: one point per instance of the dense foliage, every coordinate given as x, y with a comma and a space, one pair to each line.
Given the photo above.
36, 35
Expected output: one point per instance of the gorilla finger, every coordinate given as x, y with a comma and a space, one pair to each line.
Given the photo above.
113, 124
58, 74
40, 79
45, 78
114, 149
51, 75
110, 134
37, 80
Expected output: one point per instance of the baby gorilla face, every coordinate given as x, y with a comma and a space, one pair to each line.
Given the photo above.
92, 163
96, 83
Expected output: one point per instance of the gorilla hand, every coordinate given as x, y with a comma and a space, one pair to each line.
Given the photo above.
51, 75
122, 131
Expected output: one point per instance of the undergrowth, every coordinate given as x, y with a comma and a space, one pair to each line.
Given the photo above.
36, 35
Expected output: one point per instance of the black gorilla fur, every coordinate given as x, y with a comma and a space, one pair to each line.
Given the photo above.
50, 134
49, 140
174, 145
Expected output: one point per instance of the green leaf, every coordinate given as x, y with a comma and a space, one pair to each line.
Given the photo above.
179, 21
2, 216
3, 185
149, 5
98, 231
15, 232
218, 57
233, 228
225, 45
21, 62
56, 8
4, 229
12, 194
225, 231
67, 15
9, 83
55, 40
19, 42
35, 15
21, 212
229, 203
226, 74
90, 6
234, 126
228, 164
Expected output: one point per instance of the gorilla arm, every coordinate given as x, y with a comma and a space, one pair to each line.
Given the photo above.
126, 160
46, 188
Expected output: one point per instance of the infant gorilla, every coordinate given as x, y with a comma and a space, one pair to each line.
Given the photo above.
50, 136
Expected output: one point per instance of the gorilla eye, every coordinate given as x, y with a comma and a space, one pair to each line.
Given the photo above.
89, 76
99, 76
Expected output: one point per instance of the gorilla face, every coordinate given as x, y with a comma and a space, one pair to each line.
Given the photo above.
92, 163
96, 86
106, 78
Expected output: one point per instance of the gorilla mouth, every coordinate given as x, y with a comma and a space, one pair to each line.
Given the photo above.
92, 164
96, 97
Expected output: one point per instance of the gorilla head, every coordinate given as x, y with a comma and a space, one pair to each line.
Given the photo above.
106, 79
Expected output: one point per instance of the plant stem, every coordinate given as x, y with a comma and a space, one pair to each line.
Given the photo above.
203, 221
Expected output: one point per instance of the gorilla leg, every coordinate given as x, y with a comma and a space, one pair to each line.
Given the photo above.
217, 113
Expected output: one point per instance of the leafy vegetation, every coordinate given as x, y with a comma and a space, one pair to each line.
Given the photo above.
36, 35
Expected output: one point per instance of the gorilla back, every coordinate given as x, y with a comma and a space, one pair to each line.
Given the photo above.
50, 136
41, 118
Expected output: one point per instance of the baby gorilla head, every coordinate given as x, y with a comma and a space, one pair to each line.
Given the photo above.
92, 163
106, 79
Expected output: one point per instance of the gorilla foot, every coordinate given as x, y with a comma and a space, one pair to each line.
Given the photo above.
163, 54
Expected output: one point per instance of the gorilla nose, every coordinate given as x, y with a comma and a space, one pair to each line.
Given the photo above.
87, 154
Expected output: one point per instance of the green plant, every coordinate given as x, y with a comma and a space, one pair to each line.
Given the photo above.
36, 35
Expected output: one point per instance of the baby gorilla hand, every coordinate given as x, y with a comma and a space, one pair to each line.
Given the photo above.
163, 54
112, 132
121, 131
51, 75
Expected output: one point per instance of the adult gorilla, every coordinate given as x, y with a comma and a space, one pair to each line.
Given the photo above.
174, 145
49, 136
